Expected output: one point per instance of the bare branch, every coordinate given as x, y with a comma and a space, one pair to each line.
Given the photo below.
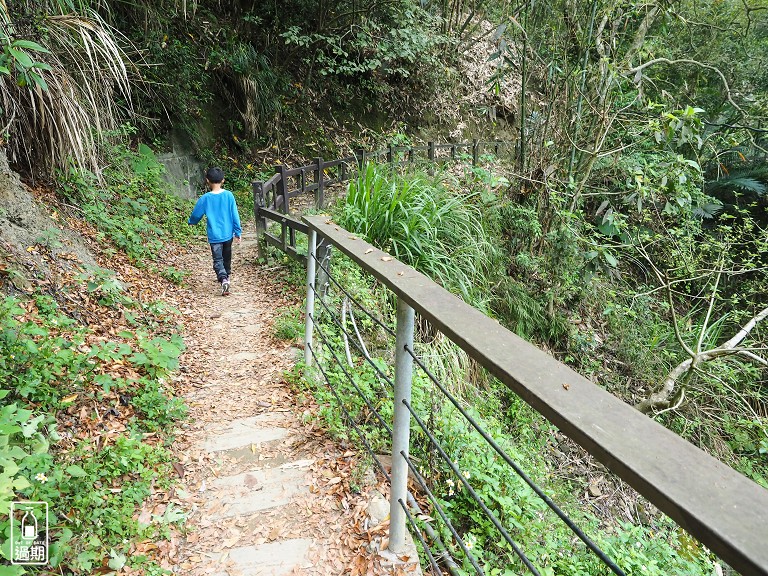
641, 67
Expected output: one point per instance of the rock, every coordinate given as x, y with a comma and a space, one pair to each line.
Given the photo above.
24, 222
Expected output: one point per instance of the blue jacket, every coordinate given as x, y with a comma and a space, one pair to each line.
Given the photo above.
220, 209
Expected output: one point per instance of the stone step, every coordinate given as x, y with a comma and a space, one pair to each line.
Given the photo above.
250, 492
244, 432
272, 559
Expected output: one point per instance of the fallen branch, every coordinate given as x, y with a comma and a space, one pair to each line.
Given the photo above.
664, 397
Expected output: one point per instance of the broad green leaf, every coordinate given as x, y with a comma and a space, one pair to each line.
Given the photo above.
76, 471
21, 57
30, 45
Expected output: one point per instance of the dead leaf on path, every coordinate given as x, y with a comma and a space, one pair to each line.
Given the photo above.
369, 250
386, 258
179, 469
252, 482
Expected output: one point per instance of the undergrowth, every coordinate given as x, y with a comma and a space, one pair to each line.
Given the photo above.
130, 204
76, 412
86, 404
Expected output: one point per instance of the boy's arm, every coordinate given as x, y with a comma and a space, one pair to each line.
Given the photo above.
236, 219
198, 212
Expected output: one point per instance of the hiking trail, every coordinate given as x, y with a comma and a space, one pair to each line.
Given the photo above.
267, 492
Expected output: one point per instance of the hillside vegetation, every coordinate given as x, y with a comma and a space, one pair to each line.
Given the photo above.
626, 233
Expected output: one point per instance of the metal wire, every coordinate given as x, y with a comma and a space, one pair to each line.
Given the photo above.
348, 415
422, 482
370, 361
352, 298
500, 451
428, 529
417, 531
491, 516
350, 378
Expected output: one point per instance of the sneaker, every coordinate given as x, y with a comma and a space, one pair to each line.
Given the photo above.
225, 287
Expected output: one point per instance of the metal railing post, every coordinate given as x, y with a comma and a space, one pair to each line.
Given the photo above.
310, 312
401, 426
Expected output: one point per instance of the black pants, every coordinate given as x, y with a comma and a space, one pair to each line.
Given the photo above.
222, 259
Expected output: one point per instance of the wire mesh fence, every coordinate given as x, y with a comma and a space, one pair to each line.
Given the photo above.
362, 389
477, 500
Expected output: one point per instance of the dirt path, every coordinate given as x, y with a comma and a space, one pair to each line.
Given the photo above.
267, 492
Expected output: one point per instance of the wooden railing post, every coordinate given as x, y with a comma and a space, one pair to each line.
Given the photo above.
431, 151
261, 221
475, 151
320, 190
361, 159
281, 195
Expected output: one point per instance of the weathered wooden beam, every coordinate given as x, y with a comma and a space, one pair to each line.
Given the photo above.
723, 509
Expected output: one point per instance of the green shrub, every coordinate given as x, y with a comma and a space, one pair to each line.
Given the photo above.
46, 363
129, 203
420, 221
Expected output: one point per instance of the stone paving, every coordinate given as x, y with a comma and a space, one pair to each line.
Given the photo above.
268, 493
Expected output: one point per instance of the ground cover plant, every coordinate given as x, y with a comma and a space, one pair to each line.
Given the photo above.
86, 362
130, 204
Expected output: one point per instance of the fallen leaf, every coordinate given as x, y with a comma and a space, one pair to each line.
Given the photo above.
566, 386
386, 258
252, 482
369, 250
179, 469
68, 399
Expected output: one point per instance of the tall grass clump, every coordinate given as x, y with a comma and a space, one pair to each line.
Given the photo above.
61, 91
421, 220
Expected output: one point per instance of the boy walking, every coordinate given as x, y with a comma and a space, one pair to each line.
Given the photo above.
222, 224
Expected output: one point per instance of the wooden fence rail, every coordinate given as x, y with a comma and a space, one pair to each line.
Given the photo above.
272, 198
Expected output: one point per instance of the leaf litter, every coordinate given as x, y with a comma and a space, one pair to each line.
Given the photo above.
221, 385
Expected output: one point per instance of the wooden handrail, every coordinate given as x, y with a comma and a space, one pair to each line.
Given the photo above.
721, 508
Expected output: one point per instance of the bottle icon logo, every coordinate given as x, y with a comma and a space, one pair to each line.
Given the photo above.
29, 533
29, 526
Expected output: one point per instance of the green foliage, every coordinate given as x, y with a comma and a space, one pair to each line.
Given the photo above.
289, 324
370, 47
129, 203
421, 221
47, 361
62, 73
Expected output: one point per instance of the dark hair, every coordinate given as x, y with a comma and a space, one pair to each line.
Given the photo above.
215, 175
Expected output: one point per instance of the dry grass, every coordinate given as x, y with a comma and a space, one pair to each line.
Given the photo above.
86, 89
